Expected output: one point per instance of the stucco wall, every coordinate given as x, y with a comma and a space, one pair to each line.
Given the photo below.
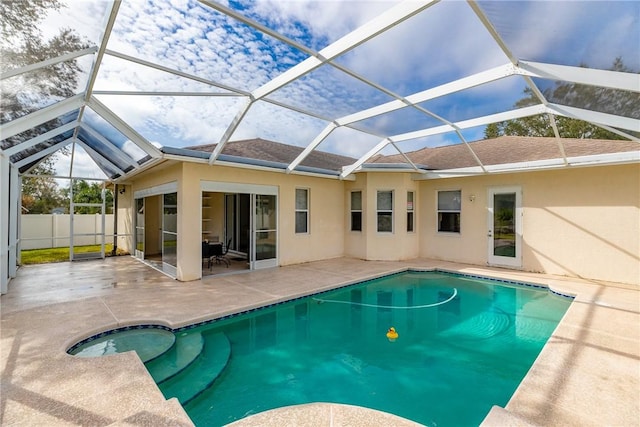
577, 222
398, 244
355, 242
326, 234
126, 228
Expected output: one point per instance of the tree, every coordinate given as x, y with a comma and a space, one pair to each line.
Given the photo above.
83, 192
588, 97
40, 195
23, 44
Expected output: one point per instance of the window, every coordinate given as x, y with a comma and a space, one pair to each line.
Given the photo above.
302, 210
385, 211
410, 212
356, 211
449, 211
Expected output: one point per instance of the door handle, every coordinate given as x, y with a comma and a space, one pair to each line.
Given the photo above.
489, 233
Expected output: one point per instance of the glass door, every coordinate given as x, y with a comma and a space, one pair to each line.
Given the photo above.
170, 233
139, 244
264, 251
505, 227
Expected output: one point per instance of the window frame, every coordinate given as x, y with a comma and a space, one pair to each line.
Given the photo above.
355, 211
457, 219
411, 209
384, 212
304, 210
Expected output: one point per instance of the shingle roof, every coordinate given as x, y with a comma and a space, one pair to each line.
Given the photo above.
262, 149
508, 149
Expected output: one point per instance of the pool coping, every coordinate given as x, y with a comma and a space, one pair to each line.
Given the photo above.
557, 390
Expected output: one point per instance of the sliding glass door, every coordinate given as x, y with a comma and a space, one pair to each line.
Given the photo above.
250, 220
264, 231
170, 233
139, 224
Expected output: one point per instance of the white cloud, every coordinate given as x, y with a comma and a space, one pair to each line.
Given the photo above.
443, 43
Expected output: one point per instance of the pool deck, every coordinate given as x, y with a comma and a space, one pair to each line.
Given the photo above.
588, 374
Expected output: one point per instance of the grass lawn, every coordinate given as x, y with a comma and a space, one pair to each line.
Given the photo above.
43, 256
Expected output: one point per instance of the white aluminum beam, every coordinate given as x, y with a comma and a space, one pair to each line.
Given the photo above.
436, 92
230, 130
595, 117
143, 93
263, 29
43, 115
503, 46
312, 146
349, 169
453, 127
619, 132
14, 207
43, 153
94, 154
4, 223
124, 128
492, 31
122, 156
587, 76
51, 61
556, 133
104, 39
381, 23
467, 124
408, 160
40, 138
174, 72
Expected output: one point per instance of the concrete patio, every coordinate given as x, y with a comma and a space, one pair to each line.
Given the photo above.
587, 374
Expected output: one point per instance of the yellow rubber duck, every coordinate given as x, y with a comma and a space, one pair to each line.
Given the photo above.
392, 335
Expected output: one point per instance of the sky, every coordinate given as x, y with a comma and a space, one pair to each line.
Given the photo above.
443, 43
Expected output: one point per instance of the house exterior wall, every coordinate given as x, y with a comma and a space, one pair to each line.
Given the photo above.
577, 222
370, 243
326, 206
355, 242
125, 214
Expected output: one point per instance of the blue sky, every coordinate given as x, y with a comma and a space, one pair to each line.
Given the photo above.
441, 44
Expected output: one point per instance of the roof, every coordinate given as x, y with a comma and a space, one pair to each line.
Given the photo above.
134, 82
510, 149
271, 151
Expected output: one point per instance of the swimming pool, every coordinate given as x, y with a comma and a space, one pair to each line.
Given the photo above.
464, 345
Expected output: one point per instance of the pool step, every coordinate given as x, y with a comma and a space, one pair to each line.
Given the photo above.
185, 350
200, 374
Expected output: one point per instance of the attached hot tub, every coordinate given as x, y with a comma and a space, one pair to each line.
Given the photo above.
147, 341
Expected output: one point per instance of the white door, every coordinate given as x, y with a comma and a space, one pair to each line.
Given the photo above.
264, 247
505, 227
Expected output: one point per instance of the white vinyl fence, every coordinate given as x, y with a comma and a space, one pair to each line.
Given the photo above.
53, 231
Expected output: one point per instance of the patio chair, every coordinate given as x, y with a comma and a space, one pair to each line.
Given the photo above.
207, 253
220, 253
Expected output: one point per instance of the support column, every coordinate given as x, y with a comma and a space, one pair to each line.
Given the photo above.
189, 224
14, 212
4, 223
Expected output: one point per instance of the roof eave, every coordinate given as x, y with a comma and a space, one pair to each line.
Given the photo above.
195, 156
538, 165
